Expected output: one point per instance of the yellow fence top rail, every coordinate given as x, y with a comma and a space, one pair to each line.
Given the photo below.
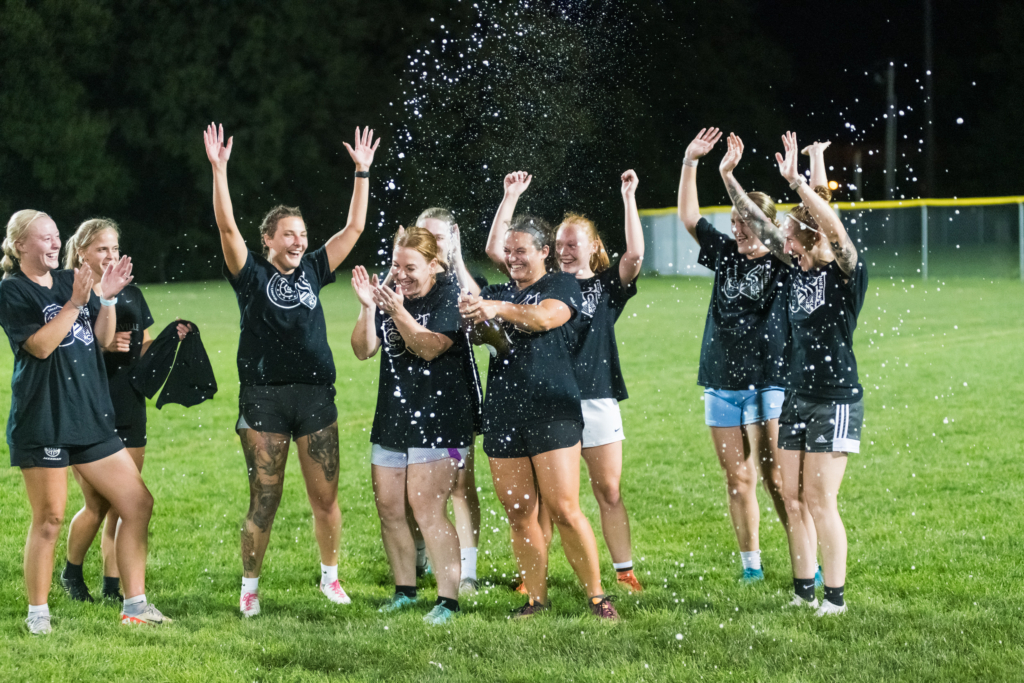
866, 206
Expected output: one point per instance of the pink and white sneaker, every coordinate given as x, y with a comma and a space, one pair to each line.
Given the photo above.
249, 604
335, 593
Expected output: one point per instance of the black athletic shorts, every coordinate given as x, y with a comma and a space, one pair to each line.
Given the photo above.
526, 441
57, 457
820, 427
291, 409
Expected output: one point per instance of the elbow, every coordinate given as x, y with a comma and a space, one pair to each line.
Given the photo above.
428, 355
36, 352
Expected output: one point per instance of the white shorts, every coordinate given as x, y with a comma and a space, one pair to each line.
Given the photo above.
602, 422
385, 457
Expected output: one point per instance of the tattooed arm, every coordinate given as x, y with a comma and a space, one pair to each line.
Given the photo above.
827, 220
769, 233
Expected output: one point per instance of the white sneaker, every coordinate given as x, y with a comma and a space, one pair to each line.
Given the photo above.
335, 593
827, 609
150, 616
249, 604
39, 624
797, 601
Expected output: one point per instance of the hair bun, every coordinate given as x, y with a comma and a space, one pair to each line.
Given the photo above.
823, 192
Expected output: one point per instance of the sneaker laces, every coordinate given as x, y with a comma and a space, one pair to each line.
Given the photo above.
605, 609
248, 599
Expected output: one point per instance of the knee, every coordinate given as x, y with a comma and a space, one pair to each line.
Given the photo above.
608, 494
818, 503
565, 512
740, 483
47, 525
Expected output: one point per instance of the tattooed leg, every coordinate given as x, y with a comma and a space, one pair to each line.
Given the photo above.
318, 456
265, 457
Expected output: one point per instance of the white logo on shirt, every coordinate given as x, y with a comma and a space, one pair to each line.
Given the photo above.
283, 295
394, 345
752, 285
808, 295
531, 299
81, 330
52, 453
592, 295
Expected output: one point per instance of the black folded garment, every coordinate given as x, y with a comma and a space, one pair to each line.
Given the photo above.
183, 364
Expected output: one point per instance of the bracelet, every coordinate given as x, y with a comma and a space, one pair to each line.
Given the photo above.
797, 183
692, 163
108, 302
362, 174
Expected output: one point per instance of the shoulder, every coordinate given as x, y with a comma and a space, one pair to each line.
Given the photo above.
497, 291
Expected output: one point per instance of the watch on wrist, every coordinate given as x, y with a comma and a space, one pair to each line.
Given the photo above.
362, 174
797, 183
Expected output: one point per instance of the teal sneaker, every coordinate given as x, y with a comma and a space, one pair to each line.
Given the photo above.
819, 580
397, 602
439, 615
752, 575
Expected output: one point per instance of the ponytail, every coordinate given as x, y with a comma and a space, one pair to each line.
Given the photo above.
83, 237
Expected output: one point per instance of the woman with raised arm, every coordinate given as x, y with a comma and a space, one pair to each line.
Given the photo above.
423, 426
533, 424
606, 288
739, 359
465, 502
824, 408
61, 413
285, 366
96, 244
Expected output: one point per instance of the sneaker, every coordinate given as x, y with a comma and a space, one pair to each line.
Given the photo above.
439, 615
39, 624
628, 580
149, 615
521, 588
797, 601
828, 609
603, 609
335, 593
529, 609
75, 588
752, 575
468, 586
819, 579
397, 602
249, 604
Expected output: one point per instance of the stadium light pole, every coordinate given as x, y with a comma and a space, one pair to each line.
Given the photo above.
929, 106
890, 132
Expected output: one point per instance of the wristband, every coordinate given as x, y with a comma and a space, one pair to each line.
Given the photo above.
797, 183
362, 174
692, 163
108, 302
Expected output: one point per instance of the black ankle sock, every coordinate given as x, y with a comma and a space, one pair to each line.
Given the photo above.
111, 585
450, 603
804, 588
407, 591
835, 595
73, 572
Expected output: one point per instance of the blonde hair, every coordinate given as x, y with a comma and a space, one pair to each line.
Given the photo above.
438, 214
767, 206
86, 234
802, 214
599, 260
17, 228
421, 240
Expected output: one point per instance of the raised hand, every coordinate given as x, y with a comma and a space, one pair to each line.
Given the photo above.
362, 153
388, 300
733, 154
788, 166
363, 286
82, 287
702, 144
115, 277
516, 183
815, 147
629, 183
216, 151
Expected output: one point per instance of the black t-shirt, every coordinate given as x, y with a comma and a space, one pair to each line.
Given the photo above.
535, 382
132, 316
596, 354
823, 309
742, 345
420, 403
61, 400
284, 335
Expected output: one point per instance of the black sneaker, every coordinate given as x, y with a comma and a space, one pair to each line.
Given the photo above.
75, 588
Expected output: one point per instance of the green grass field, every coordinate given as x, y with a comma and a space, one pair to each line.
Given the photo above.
933, 508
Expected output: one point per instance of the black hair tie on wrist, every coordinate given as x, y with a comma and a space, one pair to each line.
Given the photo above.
362, 174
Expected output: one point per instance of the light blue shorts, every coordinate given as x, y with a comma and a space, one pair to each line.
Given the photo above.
725, 408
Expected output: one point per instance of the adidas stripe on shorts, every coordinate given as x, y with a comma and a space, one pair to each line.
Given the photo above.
820, 427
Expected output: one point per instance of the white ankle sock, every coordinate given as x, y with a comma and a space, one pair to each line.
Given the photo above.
133, 606
468, 563
622, 566
751, 560
328, 575
250, 585
43, 609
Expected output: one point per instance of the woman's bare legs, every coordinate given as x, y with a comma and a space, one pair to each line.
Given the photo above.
801, 552
466, 506
389, 487
516, 488
741, 484
429, 485
604, 464
319, 460
265, 458
47, 495
823, 474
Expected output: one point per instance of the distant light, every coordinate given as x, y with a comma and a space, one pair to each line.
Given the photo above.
959, 120
833, 185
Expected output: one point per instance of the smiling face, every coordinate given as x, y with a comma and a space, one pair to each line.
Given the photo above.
442, 232
525, 262
574, 249
800, 243
39, 249
412, 271
747, 243
288, 243
101, 252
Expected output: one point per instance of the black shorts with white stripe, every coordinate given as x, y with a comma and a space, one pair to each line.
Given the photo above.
820, 427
